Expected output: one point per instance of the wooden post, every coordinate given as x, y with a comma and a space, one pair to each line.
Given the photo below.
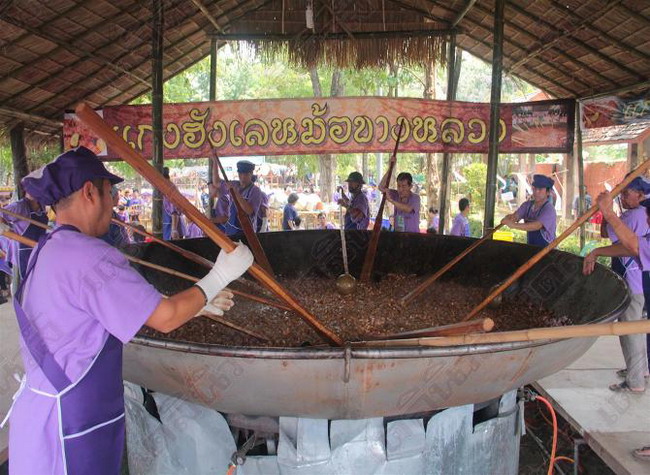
495, 100
158, 25
213, 97
452, 84
581, 174
18, 156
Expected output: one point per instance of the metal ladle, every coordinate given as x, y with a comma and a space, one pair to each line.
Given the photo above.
345, 283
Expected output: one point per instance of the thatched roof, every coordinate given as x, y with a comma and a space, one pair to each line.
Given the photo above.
617, 134
58, 52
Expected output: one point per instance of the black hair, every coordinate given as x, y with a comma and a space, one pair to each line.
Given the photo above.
321, 214
405, 176
293, 197
433, 210
166, 172
463, 203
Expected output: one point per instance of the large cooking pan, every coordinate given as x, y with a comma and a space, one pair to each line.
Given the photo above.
338, 383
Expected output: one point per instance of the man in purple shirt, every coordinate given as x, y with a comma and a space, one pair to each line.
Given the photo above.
249, 191
460, 225
79, 303
538, 214
628, 245
406, 204
633, 346
357, 212
29, 207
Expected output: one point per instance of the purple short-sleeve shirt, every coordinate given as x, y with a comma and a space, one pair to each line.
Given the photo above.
252, 194
460, 226
407, 221
81, 290
545, 215
635, 219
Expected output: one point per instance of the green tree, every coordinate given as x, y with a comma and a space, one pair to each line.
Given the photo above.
474, 188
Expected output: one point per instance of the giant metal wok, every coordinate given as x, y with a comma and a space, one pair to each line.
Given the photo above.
351, 383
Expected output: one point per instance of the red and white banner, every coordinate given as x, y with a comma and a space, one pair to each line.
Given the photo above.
615, 110
332, 125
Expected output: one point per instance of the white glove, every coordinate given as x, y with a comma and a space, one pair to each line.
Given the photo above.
229, 266
220, 304
4, 227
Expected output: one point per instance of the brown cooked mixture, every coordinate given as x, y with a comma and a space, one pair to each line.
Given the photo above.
371, 310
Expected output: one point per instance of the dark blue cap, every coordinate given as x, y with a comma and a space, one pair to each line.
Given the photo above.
65, 175
542, 181
639, 184
355, 177
244, 166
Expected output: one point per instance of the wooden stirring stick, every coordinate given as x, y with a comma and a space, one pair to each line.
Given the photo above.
245, 223
32, 243
408, 298
640, 170
169, 245
229, 324
369, 260
128, 154
474, 326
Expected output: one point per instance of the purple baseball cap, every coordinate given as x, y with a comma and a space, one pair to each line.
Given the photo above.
65, 175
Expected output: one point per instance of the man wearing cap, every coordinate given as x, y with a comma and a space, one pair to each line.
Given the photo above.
116, 235
537, 213
29, 207
79, 303
628, 245
633, 346
247, 189
357, 212
406, 204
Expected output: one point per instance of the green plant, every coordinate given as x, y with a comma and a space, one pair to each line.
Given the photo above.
474, 188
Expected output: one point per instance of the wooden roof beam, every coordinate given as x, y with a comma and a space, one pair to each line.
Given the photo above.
206, 13
624, 46
32, 118
521, 47
462, 13
335, 36
71, 48
549, 43
525, 32
577, 41
532, 71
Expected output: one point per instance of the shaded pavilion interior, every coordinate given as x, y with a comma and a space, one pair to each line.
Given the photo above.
56, 53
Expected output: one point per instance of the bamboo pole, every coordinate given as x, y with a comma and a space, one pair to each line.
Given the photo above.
244, 221
479, 326
369, 260
408, 298
229, 324
532, 334
183, 252
24, 218
128, 154
166, 270
641, 169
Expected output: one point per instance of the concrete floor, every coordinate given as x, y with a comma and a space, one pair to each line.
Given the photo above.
10, 363
613, 424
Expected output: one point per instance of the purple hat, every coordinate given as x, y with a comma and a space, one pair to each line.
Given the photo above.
542, 181
639, 184
65, 175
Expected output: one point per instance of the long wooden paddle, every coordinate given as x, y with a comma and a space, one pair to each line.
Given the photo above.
475, 326
128, 154
638, 171
245, 222
151, 265
183, 252
532, 334
408, 298
369, 260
